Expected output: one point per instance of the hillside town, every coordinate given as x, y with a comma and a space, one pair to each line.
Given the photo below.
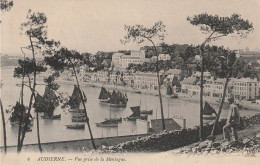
117, 73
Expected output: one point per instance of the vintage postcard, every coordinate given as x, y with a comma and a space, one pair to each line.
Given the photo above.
130, 82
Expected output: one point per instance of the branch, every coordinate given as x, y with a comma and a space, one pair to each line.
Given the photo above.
218, 36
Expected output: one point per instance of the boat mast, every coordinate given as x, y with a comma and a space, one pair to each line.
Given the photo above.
168, 109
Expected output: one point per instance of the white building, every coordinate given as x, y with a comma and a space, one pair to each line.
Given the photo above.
146, 80
206, 75
116, 59
121, 60
126, 60
245, 88
164, 57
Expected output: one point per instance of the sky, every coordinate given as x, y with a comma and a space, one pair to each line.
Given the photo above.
98, 25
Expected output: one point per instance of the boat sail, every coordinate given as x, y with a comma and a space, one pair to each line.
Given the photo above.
116, 99
50, 101
208, 112
75, 98
18, 113
136, 114
104, 95
75, 101
39, 104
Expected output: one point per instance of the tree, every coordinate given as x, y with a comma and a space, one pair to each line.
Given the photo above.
25, 69
216, 27
6, 5
168, 49
139, 34
3, 121
36, 30
64, 59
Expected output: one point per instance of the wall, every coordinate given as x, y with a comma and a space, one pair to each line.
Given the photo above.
75, 145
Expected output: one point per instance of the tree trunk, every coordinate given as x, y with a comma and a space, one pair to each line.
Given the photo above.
21, 119
85, 110
4, 127
201, 95
221, 105
202, 83
159, 84
30, 103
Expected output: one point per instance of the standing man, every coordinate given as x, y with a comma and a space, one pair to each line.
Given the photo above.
233, 120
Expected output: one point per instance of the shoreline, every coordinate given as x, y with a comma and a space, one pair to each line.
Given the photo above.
181, 96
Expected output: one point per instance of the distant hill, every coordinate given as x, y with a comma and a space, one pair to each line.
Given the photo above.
9, 60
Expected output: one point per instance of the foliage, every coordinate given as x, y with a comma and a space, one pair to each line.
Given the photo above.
26, 67
243, 69
36, 29
139, 33
6, 5
64, 59
222, 25
50, 82
168, 49
190, 52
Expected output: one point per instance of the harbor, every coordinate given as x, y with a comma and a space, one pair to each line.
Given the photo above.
97, 113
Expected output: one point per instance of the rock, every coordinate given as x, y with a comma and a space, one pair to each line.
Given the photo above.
103, 147
210, 143
236, 144
246, 141
203, 144
210, 137
225, 144
195, 149
257, 136
229, 151
216, 144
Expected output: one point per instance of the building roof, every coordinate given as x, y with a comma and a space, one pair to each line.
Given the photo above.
164, 55
198, 74
173, 71
170, 125
220, 81
189, 81
245, 80
107, 62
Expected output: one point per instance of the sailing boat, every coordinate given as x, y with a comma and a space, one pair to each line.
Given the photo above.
49, 103
208, 112
104, 95
75, 100
136, 114
170, 92
39, 104
110, 122
78, 118
15, 117
116, 99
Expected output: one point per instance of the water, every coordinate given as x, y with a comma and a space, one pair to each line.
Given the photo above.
55, 130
